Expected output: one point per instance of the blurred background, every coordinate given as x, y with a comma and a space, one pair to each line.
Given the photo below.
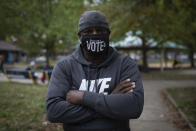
160, 35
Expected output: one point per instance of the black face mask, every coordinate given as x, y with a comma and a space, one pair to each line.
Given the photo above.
96, 44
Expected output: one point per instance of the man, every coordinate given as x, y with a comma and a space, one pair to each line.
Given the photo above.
92, 89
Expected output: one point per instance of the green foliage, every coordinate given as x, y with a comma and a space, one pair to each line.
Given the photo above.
161, 20
55, 21
10, 16
40, 24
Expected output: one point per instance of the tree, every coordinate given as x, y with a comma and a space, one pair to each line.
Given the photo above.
40, 24
184, 25
58, 22
161, 20
130, 16
12, 18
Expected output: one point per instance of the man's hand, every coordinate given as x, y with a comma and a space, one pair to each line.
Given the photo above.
124, 87
74, 96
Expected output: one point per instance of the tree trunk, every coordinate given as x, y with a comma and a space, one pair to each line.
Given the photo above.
49, 47
191, 57
165, 58
162, 60
47, 55
144, 54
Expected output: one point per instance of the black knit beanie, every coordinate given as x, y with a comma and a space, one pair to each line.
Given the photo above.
92, 19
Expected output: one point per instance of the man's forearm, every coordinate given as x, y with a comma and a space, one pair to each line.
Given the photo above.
76, 96
59, 110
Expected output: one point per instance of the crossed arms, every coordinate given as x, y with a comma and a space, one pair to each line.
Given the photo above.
73, 106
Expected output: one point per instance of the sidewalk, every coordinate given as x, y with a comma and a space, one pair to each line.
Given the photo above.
156, 115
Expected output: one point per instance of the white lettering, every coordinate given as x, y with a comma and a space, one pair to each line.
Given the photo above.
102, 45
95, 45
83, 85
98, 47
92, 85
88, 45
103, 83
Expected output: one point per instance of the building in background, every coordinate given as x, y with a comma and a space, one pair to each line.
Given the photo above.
9, 53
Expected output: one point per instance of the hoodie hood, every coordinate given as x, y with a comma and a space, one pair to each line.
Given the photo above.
79, 57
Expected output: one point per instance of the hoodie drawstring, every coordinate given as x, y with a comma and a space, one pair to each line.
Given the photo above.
88, 77
96, 79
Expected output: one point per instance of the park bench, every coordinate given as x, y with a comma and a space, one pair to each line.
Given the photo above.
46, 75
20, 74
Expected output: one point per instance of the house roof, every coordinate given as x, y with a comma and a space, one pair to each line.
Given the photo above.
9, 47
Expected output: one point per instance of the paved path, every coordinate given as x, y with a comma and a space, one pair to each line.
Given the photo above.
189, 71
156, 115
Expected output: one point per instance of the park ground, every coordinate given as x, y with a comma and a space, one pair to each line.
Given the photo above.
23, 107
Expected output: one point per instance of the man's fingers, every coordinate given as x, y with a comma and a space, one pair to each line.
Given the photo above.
130, 91
128, 79
133, 85
126, 90
125, 81
125, 85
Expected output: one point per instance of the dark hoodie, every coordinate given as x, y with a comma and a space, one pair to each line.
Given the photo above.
100, 110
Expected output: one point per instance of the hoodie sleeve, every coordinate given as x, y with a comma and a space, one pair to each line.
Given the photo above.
57, 108
120, 106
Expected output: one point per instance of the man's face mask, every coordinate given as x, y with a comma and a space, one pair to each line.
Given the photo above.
95, 44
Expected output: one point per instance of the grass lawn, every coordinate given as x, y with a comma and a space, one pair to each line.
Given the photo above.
186, 101
22, 107
167, 75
